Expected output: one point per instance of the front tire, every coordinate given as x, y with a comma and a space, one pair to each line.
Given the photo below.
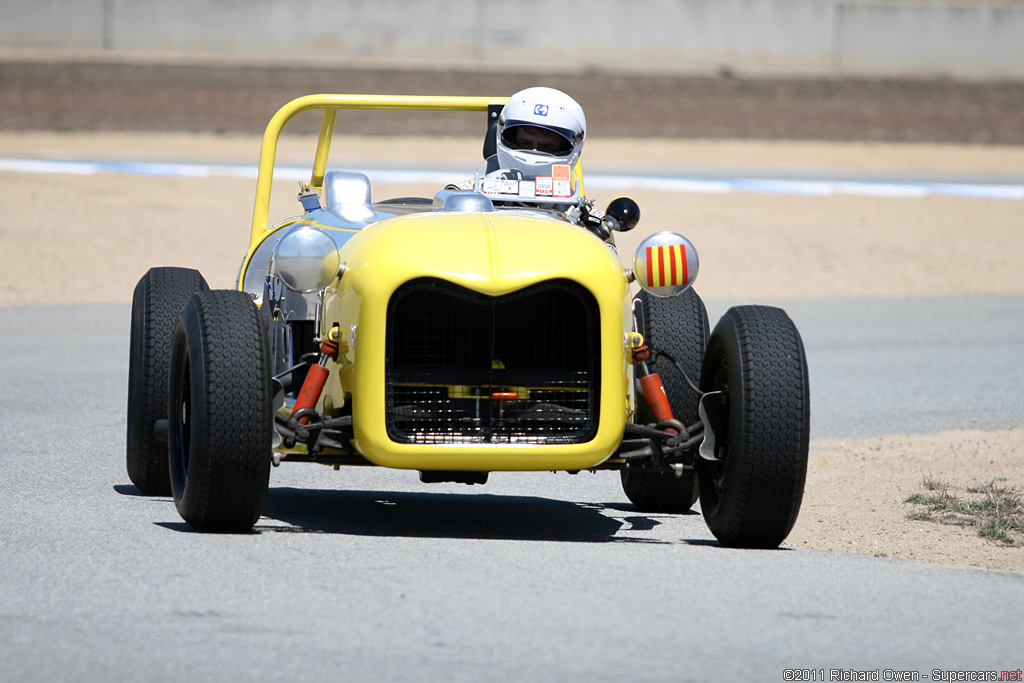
221, 420
156, 303
751, 496
678, 326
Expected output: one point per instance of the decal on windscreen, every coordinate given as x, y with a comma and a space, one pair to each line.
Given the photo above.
558, 184
544, 187
560, 179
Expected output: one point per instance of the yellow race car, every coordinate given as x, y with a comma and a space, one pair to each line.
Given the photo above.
491, 327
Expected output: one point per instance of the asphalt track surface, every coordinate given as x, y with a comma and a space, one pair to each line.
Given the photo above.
366, 574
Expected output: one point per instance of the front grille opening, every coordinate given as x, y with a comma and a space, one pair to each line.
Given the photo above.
467, 368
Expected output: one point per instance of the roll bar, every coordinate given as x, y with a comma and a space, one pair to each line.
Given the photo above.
330, 104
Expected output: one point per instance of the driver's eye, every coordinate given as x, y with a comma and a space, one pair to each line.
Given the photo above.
526, 142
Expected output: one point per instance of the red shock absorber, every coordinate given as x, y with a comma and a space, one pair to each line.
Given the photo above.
311, 389
315, 380
654, 394
654, 390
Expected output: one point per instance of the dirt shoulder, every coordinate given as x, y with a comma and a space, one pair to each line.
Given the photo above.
856, 497
771, 245
88, 238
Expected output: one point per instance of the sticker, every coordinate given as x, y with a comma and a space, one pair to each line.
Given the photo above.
509, 186
544, 187
492, 186
527, 188
561, 189
666, 266
540, 109
560, 172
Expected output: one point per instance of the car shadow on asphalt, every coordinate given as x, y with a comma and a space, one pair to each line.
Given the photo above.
130, 490
446, 515
450, 515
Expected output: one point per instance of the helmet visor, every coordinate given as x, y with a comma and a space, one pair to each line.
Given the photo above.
536, 138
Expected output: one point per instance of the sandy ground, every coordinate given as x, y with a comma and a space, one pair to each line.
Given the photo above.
88, 238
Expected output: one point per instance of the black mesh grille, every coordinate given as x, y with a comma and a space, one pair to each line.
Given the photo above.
466, 368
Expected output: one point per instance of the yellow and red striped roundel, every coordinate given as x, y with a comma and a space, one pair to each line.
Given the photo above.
666, 266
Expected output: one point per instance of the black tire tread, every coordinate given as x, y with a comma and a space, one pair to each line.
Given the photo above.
767, 481
156, 303
669, 325
232, 422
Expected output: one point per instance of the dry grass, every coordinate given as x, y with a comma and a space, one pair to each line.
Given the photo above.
995, 510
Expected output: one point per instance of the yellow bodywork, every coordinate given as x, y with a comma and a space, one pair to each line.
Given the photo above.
493, 253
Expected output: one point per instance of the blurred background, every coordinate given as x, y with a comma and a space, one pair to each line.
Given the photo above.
896, 71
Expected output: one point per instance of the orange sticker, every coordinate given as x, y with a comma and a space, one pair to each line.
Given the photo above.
560, 172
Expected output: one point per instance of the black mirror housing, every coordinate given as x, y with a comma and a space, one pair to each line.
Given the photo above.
622, 214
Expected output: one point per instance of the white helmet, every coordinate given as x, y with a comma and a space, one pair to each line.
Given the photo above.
545, 108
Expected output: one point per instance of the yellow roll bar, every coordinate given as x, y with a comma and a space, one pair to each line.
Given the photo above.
330, 104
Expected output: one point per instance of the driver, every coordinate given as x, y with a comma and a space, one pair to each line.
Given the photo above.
538, 130
539, 127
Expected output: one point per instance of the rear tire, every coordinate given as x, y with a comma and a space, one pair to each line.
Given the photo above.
156, 303
751, 496
221, 420
678, 326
